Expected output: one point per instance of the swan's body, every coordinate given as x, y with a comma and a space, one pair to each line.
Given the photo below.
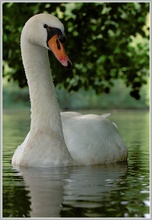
54, 139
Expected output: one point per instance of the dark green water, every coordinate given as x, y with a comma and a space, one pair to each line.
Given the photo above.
92, 191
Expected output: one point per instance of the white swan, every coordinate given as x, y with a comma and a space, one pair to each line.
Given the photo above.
59, 140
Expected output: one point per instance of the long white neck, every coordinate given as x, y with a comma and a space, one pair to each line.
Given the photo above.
44, 107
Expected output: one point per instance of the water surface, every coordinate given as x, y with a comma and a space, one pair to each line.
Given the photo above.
120, 190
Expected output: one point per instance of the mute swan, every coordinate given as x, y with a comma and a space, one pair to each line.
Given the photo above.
56, 139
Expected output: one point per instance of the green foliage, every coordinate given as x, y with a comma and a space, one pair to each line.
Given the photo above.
15, 98
100, 43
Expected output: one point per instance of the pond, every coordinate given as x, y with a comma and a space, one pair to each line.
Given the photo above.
116, 190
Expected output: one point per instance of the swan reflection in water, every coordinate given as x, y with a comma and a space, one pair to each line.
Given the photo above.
53, 190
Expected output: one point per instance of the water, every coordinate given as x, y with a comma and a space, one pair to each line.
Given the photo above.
120, 190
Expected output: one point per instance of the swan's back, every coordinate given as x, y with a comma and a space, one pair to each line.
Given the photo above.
92, 139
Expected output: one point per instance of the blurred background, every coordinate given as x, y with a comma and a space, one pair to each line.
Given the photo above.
108, 44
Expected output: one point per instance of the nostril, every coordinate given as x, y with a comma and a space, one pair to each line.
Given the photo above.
58, 44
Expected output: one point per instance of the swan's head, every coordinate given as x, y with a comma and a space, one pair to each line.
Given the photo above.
47, 31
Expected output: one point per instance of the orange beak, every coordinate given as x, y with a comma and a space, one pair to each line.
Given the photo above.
58, 50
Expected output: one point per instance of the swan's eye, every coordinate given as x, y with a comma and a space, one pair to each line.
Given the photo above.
45, 26
51, 31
